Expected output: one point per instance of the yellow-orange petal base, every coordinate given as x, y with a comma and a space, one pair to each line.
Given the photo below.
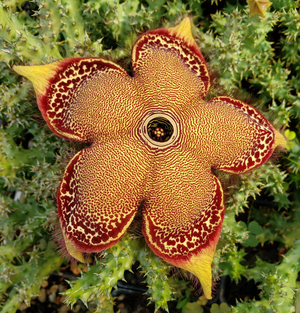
154, 141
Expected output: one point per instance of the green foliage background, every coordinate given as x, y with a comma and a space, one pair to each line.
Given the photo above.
252, 55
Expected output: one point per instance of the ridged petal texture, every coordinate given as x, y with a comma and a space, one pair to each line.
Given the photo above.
154, 143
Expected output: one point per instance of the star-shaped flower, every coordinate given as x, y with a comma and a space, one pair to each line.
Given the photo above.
259, 7
154, 143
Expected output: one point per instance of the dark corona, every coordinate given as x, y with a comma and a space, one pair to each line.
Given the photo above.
160, 129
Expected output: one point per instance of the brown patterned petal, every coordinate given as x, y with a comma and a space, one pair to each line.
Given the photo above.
170, 67
82, 98
183, 212
230, 135
102, 188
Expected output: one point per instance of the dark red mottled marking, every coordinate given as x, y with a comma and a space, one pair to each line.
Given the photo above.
55, 121
262, 145
186, 248
177, 45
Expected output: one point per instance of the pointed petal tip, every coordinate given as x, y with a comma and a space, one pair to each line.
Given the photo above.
280, 140
184, 31
184, 26
18, 69
72, 250
200, 266
39, 75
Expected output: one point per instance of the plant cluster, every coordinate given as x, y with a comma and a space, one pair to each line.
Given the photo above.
252, 55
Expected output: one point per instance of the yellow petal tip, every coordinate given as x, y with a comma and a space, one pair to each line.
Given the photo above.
72, 250
200, 266
184, 31
279, 140
38, 75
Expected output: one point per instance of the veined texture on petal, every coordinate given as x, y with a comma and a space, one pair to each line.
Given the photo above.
100, 193
230, 134
169, 67
183, 213
84, 98
154, 143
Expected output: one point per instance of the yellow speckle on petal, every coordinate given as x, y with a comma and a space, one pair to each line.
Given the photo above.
39, 75
184, 31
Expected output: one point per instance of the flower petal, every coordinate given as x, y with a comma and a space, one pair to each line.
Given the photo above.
231, 135
170, 66
81, 98
102, 188
183, 213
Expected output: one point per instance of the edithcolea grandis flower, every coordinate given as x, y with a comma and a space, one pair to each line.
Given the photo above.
155, 141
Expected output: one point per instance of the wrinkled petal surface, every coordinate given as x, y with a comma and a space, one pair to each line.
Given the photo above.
101, 190
169, 67
230, 134
84, 98
183, 212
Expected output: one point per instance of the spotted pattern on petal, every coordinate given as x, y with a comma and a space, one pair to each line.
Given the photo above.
184, 202
90, 88
256, 129
171, 238
131, 165
229, 134
93, 206
163, 42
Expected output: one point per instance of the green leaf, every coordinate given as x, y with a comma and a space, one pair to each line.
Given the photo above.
43, 244
290, 135
255, 228
251, 241
193, 308
224, 308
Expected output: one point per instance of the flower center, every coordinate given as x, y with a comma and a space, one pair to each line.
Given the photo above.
159, 130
